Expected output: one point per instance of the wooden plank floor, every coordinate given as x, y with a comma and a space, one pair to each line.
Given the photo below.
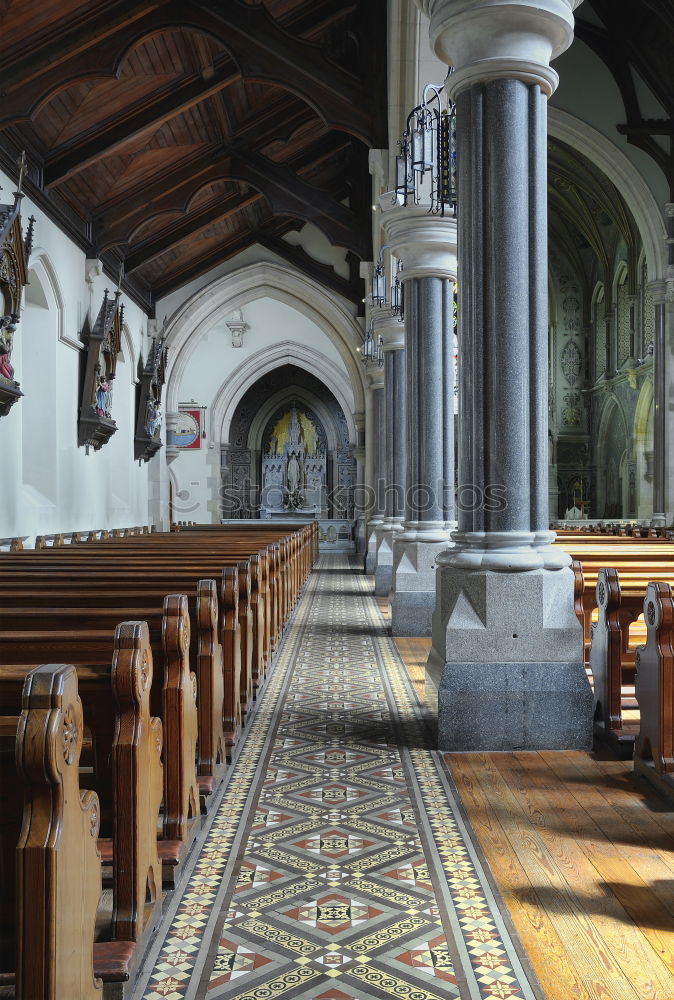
583, 857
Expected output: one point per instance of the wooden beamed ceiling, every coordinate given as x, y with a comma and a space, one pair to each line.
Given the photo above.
170, 136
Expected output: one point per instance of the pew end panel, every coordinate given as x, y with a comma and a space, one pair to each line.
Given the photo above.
246, 637
138, 788
210, 675
654, 749
182, 813
58, 875
231, 649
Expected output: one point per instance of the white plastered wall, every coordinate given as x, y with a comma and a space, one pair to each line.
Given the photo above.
290, 319
48, 484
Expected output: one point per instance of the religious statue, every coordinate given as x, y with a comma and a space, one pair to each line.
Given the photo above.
102, 406
293, 473
153, 416
7, 328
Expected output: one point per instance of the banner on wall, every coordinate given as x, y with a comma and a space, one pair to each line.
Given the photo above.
188, 427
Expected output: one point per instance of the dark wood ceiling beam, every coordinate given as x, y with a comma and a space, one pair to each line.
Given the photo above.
192, 225
620, 53
68, 160
288, 194
40, 53
172, 191
265, 52
101, 59
194, 267
310, 21
324, 274
196, 222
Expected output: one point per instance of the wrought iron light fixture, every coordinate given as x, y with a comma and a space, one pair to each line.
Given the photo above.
372, 351
379, 292
425, 167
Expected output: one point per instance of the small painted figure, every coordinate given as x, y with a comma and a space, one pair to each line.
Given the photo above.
7, 328
102, 390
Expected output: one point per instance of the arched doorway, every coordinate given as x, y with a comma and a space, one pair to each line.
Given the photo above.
258, 477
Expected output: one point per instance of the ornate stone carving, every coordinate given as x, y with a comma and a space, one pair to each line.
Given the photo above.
293, 465
572, 414
572, 362
237, 326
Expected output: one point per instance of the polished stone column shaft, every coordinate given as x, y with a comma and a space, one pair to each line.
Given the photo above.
395, 407
429, 498
503, 449
377, 444
506, 660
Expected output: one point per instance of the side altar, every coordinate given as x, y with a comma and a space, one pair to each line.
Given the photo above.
294, 469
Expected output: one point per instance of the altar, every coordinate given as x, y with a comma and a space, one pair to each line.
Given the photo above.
294, 467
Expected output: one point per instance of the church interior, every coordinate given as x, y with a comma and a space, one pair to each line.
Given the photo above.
337, 505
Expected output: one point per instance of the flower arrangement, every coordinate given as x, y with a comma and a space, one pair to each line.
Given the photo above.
294, 500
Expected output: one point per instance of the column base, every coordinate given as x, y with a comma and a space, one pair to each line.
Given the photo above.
370, 562
383, 570
361, 536
412, 613
506, 665
383, 575
514, 706
413, 586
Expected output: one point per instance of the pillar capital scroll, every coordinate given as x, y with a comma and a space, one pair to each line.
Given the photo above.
495, 39
425, 243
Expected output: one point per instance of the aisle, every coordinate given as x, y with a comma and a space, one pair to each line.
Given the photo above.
337, 867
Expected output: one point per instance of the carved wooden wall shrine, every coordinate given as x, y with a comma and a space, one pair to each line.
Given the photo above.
147, 439
99, 362
14, 254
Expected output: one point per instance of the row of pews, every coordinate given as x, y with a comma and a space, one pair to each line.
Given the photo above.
620, 528
625, 603
129, 666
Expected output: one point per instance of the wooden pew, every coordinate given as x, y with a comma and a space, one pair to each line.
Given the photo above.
92, 653
611, 665
58, 868
137, 787
654, 749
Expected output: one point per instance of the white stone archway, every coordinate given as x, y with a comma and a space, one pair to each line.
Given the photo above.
266, 280
605, 155
238, 382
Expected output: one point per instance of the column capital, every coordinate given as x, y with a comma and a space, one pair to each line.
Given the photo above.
495, 39
425, 243
389, 327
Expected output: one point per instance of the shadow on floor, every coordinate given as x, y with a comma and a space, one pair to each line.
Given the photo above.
639, 902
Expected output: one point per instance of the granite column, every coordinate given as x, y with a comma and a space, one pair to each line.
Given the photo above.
389, 327
375, 446
507, 657
426, 245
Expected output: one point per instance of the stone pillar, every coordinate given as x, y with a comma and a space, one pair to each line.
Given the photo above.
359, 512
507, 656
426, 244
392, 332
663, 390
375, 452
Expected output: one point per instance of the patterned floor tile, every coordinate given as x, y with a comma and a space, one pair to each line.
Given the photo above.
337, 867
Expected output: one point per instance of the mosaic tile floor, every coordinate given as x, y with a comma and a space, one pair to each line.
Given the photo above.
338, 866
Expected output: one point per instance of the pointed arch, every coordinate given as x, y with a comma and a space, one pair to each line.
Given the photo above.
267, 279
625, 176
